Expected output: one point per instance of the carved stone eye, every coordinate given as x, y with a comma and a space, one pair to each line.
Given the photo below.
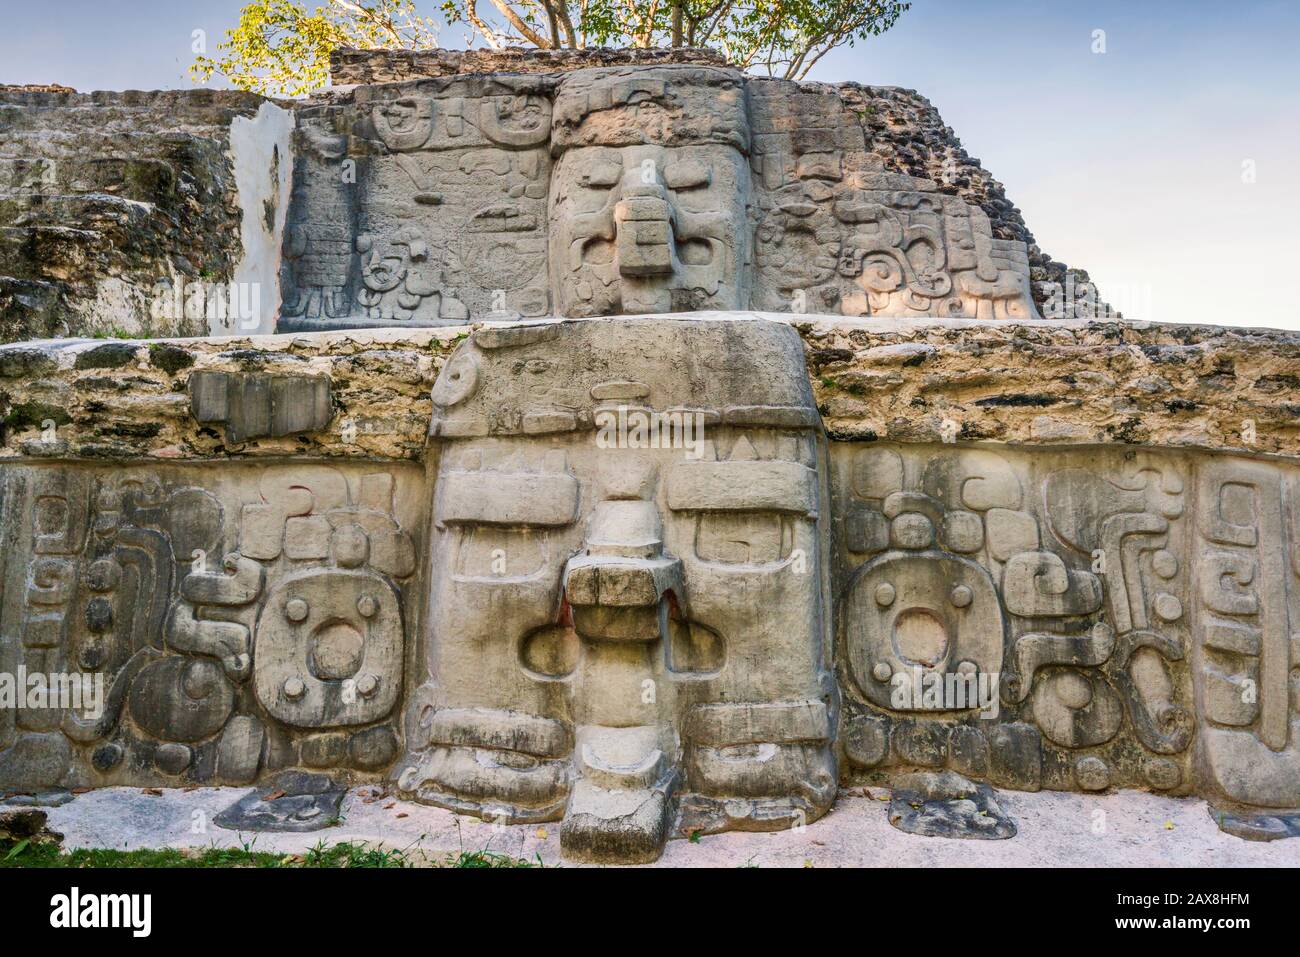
695, 252
458, 381
602, 175
687, 174
295, 609
336, 652
920, 637
741, 538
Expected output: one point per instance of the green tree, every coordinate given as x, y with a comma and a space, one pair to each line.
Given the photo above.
281, 47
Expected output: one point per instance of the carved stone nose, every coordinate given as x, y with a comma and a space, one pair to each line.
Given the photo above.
617, 587
645, 232
613, 583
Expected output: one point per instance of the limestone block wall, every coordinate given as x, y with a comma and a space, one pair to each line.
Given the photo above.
134, 213
1044, 384
352, 67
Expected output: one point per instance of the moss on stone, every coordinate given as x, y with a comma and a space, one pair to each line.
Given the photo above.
111, 355
26, 415
25, 362
171, 359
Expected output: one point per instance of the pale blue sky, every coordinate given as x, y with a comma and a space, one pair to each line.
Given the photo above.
1127, 163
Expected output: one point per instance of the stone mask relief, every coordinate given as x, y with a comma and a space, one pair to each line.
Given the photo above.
648, 230
615, 191
629, 581
655, 645
620, 617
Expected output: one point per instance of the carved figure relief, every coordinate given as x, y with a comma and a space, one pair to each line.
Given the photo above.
621, 191
1060, 582
318, 275
252, 623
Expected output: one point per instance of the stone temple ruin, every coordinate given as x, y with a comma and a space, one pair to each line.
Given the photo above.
645, 447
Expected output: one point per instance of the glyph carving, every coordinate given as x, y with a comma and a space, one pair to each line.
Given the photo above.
1247, 648
233, 621
1072, 567
621, 190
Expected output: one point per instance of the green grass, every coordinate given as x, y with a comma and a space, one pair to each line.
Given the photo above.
345, 854
116, 332
23, 854
487, 858
349, 854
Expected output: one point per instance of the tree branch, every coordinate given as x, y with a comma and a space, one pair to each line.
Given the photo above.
479, 24
385, 24
566, 24
524, 29
552, 24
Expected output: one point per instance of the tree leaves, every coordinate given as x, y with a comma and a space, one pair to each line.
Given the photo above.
281, 48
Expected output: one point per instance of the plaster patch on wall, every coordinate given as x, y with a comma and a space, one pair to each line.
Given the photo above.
261, 153
116, 309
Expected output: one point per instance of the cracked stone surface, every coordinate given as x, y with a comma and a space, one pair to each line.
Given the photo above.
945, 804
292, 801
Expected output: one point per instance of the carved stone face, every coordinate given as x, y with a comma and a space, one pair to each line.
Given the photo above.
645, 229
649, 196
615, 609
621, 192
